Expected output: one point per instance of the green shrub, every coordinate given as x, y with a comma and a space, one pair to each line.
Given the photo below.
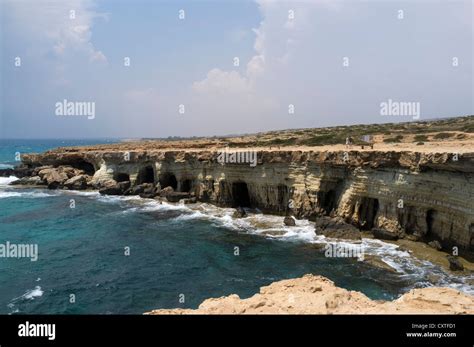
396, 139
321, 140
469, 128
441, 136
282, 142
420, 138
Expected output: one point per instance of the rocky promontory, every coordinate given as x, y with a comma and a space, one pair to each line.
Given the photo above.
318, 295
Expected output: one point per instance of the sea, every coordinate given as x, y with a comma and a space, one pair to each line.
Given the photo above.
128, 255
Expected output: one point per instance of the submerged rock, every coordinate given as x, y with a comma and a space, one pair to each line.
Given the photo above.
30, 181
383, 234
147, 195
336, 228
289, 221
454, 263
18, 171
239, 213
191, 200
347, 233
111, 187
145, 188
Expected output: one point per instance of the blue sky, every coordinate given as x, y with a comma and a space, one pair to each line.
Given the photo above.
189, 62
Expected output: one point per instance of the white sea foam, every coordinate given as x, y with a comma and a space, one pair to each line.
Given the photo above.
30, 294
9, 194
271, 226
7, 180
116, 198
33, 293
80, 192
407, 266
22, 194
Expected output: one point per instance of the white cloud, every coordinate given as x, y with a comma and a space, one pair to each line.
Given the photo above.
218, 81
55, 26
248, 93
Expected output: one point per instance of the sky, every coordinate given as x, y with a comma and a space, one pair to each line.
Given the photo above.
301, 64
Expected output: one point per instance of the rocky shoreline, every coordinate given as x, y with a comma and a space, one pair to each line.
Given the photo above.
392, 195
346, 198
318, 295
425, 197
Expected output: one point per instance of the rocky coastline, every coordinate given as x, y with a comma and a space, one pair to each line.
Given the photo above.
318, 295
393, 195
349, 195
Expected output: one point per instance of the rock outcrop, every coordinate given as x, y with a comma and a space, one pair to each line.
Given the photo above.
289, 221
336, 228
419, 195
318, 295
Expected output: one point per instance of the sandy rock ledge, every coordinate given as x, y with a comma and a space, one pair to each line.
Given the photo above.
318, 295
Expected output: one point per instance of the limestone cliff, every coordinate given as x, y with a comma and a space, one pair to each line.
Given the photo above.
426, 195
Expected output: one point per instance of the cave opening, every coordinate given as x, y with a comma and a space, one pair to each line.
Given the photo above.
168, 180
121, 177
146, 175
240, 194
367, 211
407, 219
471, 240
83, 165
186, 185
327, 200
282, 197
430, 219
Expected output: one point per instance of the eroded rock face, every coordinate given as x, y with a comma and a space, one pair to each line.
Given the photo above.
112, 187
383, 234
318, 295
32, 181
177, 196
412, 194
77, 182
336, 228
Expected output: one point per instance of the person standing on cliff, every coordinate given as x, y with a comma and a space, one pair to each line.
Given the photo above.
349, 142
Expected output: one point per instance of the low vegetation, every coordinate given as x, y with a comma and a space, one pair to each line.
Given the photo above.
419, 133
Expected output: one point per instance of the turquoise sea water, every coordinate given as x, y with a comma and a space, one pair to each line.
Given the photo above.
196, 252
